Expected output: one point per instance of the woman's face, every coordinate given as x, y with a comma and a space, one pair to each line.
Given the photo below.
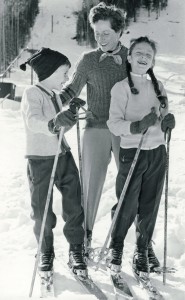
105, 36
141, 58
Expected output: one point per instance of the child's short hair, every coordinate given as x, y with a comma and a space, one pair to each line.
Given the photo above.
45, 62
105, 12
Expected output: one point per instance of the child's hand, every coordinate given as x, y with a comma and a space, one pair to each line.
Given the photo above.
76, 103
168, 122
147, 121
62, 119
144, 124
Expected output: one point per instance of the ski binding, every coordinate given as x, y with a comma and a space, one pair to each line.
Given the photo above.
120, 285
145, 283
88, 284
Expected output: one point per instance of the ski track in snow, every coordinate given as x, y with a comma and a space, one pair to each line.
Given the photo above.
18, 246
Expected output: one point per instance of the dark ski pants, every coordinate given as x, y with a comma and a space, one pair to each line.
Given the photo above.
143, 194
67, 182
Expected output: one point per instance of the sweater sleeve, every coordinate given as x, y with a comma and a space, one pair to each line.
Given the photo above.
117, 123
33, 113
78, 80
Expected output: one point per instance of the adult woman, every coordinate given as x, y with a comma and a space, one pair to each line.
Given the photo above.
99, 70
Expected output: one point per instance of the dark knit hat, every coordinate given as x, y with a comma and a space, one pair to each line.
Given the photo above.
45, 62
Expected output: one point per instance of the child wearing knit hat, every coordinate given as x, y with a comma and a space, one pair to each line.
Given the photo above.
39, 107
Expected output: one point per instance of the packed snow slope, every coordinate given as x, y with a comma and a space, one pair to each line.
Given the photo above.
18, 245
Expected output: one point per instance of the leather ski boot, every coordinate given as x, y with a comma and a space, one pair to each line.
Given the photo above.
116, 253
141, 263
77, 260
46, 260
153, 261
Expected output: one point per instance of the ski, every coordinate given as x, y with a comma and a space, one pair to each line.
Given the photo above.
120, 286
46, 284
145, 283
89, 286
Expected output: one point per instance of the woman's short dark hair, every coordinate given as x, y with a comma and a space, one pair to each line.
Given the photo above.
105, 12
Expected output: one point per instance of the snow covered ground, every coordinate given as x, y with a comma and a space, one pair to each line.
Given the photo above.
18, 245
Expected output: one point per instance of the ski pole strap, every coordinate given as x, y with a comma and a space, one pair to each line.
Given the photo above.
168, 135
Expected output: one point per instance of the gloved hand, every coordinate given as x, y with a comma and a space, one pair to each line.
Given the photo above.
144, 124
168, 122
76, 103
62, 119
52, 128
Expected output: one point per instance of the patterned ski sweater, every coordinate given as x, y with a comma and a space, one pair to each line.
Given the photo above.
99, 78
126, 108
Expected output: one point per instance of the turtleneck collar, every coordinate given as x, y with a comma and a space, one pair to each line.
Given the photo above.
142, 76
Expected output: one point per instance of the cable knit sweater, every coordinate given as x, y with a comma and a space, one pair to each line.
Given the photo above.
126, 108
37, 109
99, 77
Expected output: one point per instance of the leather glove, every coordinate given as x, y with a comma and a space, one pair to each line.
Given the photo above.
168, 122
141, 126
62, 119
52, 128
76, 103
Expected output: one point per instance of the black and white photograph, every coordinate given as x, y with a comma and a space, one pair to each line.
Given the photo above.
92, 149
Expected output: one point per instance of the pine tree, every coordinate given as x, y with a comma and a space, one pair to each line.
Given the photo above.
131, 7
17, 17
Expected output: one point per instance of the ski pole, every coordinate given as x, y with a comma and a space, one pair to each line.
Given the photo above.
46, 210
84, 202
122, 196
168, 137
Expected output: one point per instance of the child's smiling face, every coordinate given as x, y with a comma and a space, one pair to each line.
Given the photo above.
59, 77
141, 58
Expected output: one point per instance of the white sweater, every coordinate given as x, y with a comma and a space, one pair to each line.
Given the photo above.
126, 108
37, 109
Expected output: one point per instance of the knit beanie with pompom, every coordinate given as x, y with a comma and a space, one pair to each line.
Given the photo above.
45, 62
